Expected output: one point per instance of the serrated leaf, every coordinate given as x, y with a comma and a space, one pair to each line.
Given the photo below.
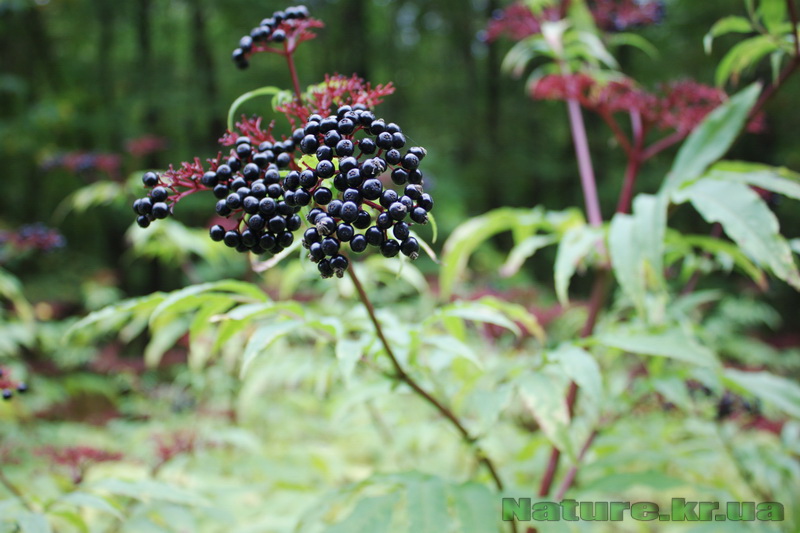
187, 298
711, 139
747, 220
672, 343
517, 313
163, 338
778, 391
576, 245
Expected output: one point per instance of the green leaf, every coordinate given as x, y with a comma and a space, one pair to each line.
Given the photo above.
33, 523
577, 243
426, 503
672, 343
475, 508
475, 311
543, 393
145, 490
747, 220
743, 56
522, 251
263, 91
782, 393
776, 179
579, 365
187, 298
466, 238
371, 515
724, 26
619, 483
264, 337
634, 40
83, 499
724, 251
711, 139
773, 13
164, 337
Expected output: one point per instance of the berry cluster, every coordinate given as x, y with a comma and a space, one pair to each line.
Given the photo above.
287, 28
249, 186
8, 386
348, 152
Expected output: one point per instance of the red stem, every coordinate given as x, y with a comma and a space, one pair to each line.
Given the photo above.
588, 181
634, 163
289, 54
662, 144
617, 131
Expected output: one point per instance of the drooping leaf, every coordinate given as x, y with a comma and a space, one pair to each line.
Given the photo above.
672, 343
743, 56
711, 139
544, 395
778, 391
731, 24
776, 179
577, 243
747, 220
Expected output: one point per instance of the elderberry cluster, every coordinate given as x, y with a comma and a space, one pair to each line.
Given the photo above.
351, 150
249, 187
272, 29
8, 386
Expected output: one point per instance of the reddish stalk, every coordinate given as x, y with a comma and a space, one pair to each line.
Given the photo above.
634, 163
289, 54
588, 181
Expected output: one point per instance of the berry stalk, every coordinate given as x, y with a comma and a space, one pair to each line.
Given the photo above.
403, 376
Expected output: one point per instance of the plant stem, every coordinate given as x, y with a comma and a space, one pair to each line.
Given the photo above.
293, 72
795, 18
634, 164
662, 144
599, 289
403, 376
588, 181
16, 492
573, 470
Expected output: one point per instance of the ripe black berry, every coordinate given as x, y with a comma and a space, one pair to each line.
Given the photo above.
160, 210
232, 238
419, 215
390, 248
374, 236
150, 179
159, 194
358, 243
410, 247
217, 233
323, 196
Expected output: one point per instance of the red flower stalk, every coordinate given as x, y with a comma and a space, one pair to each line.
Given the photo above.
335, 91
172, 445
77, 458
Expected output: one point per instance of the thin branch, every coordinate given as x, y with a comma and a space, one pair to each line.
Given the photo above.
599, 290
634, 164
619, 135
795, 18
16, 492
573, 470
403, 376
662, 144
289, 54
